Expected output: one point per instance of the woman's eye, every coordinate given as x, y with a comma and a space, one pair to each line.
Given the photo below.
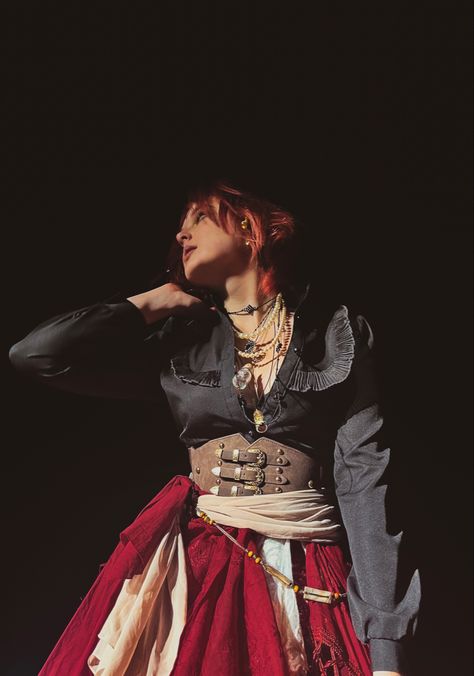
200, 215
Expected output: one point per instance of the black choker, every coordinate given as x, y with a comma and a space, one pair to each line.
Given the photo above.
249, 309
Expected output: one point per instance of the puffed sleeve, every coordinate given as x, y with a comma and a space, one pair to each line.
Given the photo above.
105, 350
383, 614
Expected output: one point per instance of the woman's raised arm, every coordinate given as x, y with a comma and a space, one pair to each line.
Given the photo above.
114, 350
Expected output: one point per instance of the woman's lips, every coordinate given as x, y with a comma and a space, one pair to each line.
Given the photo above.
187, 254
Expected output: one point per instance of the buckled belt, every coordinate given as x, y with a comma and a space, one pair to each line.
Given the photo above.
231, 465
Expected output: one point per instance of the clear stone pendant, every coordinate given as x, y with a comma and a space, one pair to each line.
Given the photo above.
242, 378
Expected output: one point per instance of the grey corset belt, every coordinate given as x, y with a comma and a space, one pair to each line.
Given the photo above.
232, 466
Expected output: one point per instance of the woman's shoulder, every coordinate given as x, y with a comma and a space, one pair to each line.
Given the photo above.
336, 333
334, 314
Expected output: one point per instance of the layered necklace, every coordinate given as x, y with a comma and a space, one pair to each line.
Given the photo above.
254, 352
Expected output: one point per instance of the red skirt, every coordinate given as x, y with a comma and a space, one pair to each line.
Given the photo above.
230, 624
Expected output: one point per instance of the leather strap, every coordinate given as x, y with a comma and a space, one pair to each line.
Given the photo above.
231, 465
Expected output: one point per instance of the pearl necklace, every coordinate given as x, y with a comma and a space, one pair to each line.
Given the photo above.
245, 374
269, 319
256, 355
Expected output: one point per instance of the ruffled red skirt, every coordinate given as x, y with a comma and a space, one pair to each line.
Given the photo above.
230, 624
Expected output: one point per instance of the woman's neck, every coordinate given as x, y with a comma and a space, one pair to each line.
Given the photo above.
240, 293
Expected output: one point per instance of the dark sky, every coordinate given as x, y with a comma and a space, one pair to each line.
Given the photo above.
357, 120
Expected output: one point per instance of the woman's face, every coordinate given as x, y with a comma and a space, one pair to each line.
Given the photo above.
217, 255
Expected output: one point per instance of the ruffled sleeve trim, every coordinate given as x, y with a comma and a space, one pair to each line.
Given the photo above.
336, 364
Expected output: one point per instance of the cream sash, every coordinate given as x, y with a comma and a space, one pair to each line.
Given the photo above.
141, 634
297, 515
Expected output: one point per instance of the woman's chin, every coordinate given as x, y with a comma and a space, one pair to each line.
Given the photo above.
196, 274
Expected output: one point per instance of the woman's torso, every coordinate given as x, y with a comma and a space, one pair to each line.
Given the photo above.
303, 402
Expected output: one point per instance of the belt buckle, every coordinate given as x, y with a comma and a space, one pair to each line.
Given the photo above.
259, 478
261, 457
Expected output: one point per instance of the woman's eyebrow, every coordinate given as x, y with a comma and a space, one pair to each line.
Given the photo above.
191, 212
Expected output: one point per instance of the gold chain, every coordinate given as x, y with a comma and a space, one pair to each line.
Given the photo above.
257, 354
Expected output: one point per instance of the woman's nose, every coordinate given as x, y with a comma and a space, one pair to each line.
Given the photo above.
180, 238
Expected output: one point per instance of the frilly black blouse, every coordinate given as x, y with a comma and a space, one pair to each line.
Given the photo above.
323, 402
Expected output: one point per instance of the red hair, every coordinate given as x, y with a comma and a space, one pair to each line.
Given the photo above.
272, 232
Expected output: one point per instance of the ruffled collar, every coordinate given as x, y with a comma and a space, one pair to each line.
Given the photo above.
318, 319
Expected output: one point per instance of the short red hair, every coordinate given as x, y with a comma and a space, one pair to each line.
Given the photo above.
272, 232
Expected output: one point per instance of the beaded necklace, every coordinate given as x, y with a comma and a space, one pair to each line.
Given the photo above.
245, 374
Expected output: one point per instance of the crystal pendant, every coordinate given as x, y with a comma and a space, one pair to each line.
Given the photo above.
259, 421
242, 378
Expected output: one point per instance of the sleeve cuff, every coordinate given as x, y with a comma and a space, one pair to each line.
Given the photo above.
388, 655
131, 314
126, 306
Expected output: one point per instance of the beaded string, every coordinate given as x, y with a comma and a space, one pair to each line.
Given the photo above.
263, 396
308, 593
263, 424
252, 343
267, 321
278, 395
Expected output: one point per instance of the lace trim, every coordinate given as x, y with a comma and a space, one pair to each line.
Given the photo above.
336, 364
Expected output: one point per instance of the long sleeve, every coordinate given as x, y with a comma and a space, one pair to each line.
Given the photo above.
105, 350
383, 615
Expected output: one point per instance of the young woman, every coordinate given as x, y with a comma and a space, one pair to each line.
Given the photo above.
272, 557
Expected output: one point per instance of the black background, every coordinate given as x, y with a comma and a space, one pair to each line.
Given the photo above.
356, 119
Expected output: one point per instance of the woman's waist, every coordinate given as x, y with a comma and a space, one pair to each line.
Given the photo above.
231, 466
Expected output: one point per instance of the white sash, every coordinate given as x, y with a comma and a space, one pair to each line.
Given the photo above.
141, 633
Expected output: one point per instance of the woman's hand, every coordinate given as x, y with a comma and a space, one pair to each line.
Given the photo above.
170, 299
387, 673
183, 304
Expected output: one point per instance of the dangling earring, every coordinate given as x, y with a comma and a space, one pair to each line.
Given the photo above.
244, 225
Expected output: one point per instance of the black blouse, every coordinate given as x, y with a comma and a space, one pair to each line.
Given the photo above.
323, 402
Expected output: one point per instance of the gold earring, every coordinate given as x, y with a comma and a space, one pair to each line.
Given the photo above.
244, 225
